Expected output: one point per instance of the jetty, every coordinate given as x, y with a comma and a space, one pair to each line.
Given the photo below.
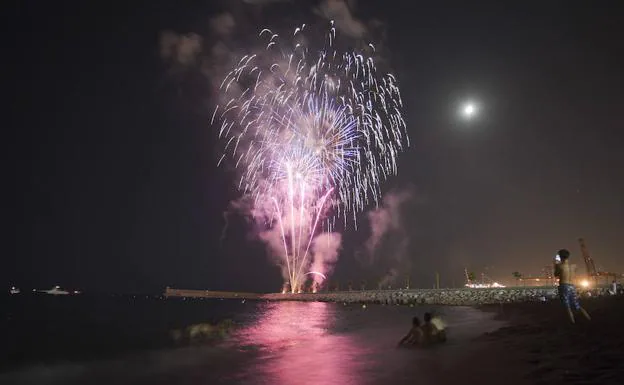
187, 293
453, 296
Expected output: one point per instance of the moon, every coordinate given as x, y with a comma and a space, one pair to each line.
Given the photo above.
469, 110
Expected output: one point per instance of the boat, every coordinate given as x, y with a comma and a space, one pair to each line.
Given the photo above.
56, 290
14, 290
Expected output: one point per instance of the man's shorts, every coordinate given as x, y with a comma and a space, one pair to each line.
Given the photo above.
567, 294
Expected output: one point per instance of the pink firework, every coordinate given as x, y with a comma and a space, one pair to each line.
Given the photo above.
313, 132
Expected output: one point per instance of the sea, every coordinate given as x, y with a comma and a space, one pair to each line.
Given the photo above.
140, 339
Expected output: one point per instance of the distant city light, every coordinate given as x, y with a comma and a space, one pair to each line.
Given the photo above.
585, 283
484, 285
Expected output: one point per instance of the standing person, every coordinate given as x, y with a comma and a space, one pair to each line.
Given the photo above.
614, 287
567, 291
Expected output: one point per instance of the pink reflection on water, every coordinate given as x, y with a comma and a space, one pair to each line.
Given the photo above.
297, 346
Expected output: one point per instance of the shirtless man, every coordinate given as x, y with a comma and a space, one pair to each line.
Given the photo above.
567, 291
433, 333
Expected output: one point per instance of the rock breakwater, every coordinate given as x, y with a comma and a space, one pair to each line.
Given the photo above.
455, 297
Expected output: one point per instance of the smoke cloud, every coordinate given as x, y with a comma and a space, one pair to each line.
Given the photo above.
325, 248
340, 12
388, 279
179, 49
272, 237
388, 242
386, 219
222, 25
214, 53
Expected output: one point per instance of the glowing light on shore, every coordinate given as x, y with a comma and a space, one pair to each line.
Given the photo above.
484, 285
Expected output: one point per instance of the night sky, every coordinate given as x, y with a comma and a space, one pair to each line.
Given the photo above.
112, 159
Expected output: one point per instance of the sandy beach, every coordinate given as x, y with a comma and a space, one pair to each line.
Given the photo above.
540, 346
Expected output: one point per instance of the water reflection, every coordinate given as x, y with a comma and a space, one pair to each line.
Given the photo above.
297, 346
287, 343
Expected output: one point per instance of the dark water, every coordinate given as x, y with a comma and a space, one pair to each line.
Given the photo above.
126, 340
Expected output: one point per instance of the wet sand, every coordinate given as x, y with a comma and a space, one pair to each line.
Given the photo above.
540, 346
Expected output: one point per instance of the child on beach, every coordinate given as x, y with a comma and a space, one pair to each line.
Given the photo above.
414, 336
567, 291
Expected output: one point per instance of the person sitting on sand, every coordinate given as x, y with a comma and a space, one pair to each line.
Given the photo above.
433, 329
415, 335
567, 291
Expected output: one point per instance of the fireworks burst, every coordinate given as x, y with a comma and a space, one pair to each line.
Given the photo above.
313, 131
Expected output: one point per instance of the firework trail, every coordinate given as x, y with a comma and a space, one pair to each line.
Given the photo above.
314, 132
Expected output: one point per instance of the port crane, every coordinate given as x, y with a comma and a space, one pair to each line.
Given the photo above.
591, 266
